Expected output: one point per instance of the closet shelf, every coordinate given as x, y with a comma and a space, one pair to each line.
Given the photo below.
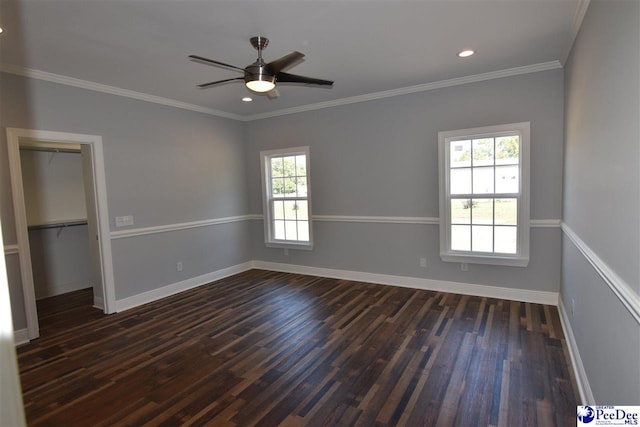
58, 224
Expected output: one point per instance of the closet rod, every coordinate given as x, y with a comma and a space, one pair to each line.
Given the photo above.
50, 149
57, 225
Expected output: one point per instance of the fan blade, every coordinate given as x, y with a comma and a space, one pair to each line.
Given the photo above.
285, 62
219, 81
211, 61
293, 78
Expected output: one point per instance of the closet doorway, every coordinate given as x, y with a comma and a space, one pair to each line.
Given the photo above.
61, 217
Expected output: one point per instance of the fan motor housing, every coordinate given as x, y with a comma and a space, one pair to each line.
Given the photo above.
259, 42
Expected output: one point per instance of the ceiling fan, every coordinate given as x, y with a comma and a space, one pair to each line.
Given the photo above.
262, 77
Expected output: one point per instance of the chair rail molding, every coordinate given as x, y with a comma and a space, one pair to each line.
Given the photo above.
627, 296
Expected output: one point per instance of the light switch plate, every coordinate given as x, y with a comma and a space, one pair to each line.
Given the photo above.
123, 221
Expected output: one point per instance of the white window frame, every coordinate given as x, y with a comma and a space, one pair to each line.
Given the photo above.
521, 258
267, 198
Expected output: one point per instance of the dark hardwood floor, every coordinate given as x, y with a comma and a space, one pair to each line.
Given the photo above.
265, 348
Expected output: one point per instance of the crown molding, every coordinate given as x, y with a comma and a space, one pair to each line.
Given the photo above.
534, 68
112, 90
576, 23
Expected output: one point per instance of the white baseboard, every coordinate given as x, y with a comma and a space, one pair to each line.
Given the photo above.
98, 302
586, 395
21, 336
523, 295
61, 288
165, 291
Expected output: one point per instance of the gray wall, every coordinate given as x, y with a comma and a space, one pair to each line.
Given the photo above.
163, 166
380, 158
601, 195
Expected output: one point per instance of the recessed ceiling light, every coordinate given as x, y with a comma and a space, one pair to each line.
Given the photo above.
1, 30
465, 53
247, 99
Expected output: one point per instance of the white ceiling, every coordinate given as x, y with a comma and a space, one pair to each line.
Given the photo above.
364, 46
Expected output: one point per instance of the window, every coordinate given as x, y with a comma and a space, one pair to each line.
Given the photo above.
484, 195
286, 198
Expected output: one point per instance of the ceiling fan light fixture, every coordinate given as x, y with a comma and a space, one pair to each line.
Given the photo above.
261, 86
261, 77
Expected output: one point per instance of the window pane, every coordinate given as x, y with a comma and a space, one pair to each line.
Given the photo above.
460, 211
483, 152
482, 211
507, 179
301, 165
303, 210
291, 230
278, 209
460, 154
460, 181
303, 230
278, 230
461, 237
289, 187
277, 187
506, 211
482, 238
289, 166
290, 208
507, 150
483, 180
302, 186
506, 240
276, 167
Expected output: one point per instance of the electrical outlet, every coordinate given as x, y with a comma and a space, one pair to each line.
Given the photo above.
464, 266
179, 266
123, 221
423, 262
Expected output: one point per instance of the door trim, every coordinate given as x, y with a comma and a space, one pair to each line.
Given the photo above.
13, 141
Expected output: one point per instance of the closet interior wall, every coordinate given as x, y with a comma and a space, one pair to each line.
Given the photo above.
57, 218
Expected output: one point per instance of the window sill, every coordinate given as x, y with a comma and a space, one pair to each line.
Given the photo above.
509, 261
287, 245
